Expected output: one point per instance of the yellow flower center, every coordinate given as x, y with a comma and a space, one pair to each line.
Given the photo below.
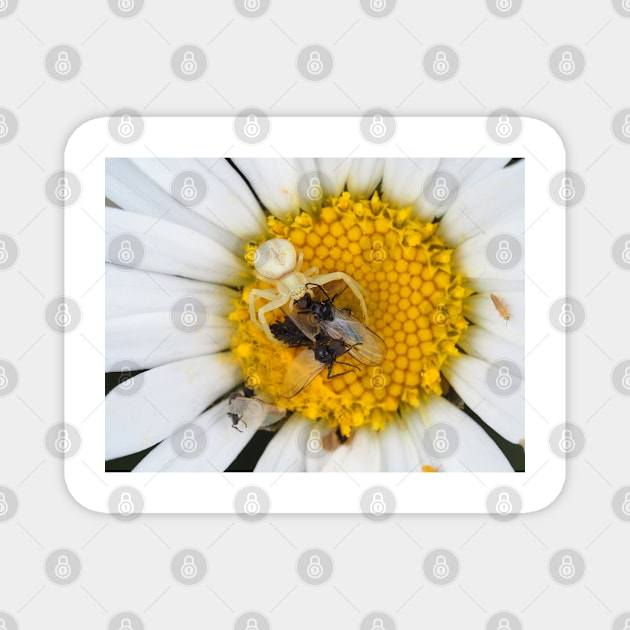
414, 300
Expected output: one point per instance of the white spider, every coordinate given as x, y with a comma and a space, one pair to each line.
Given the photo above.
277, 263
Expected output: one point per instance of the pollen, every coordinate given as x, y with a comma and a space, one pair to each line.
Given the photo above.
415, 304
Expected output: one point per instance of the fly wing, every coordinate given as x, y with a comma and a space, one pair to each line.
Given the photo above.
304, 368
307, 325
370, 348
246, 408
273, 414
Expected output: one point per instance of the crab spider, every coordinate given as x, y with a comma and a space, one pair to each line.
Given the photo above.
277, 263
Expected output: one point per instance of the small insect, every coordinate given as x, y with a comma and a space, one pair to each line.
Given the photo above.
323, 353
501, 307
277, 263
311, 316
245, 405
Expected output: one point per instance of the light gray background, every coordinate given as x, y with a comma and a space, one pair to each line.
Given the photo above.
252, 63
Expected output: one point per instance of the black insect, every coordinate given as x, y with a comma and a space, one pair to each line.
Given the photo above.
314, 316
322, 353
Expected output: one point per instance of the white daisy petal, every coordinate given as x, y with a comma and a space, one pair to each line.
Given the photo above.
364, 176
480, 310
416, 427
505, 414
228, 204
476, 450
200, 259
336, 171
493, 205
399, 452
404, 179
470, 171
151, 339
223, 444
483, 344
316, 463
283, 452
361, 453
133, 190
132, 292
167, 396
275, 181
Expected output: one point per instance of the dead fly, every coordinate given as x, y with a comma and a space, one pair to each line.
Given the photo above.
501, 307
312, 316
246, 405
324, 352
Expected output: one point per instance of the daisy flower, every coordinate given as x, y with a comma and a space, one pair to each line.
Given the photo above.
447, 316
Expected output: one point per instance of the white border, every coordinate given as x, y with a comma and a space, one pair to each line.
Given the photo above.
85, 155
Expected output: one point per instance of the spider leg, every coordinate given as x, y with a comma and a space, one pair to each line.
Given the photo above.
255, 294
267, 308
354, 286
